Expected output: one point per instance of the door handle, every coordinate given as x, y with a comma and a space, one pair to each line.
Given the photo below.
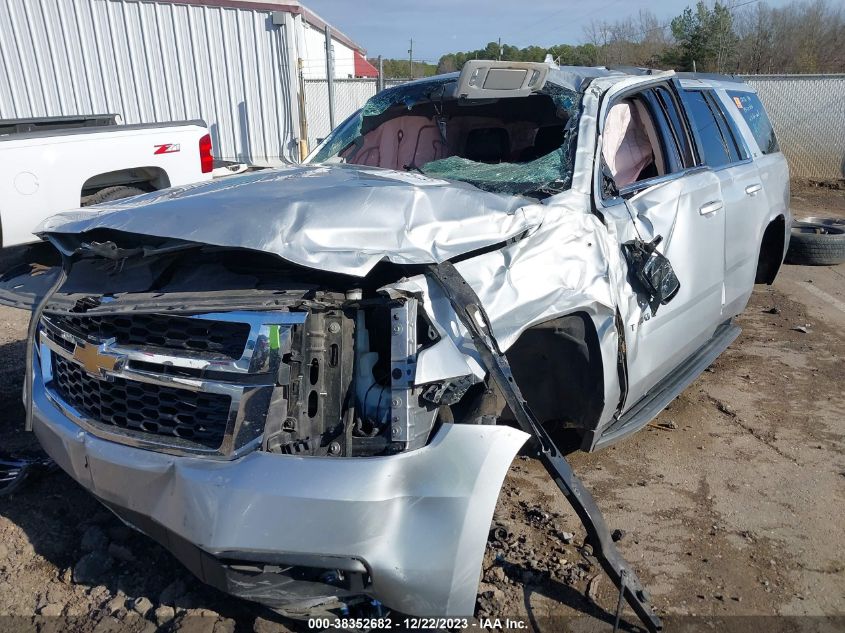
710, 207
753, 189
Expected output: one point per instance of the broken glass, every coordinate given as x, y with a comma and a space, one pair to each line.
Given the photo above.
547, 174
551, 173
408, 94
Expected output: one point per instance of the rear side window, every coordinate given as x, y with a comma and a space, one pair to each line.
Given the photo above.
752, 111
716, 149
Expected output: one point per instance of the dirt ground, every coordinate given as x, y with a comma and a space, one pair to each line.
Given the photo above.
729, 506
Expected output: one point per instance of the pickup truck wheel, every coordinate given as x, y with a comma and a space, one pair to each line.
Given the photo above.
110, 194
816, 244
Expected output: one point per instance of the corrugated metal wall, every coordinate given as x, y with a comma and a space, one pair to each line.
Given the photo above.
153, 62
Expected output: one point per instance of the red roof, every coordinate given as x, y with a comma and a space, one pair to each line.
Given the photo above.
363, 68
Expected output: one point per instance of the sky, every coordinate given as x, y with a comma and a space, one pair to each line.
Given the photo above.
384, 27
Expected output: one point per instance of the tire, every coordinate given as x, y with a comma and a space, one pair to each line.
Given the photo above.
110, 194
816, 244
839, 222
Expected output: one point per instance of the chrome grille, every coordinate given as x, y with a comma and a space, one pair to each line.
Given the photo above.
188, 415
158, 330
176, 384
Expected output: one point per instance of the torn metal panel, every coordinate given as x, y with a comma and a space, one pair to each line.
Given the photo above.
418, 520
474, 318
343, 219
569, 264
583, 168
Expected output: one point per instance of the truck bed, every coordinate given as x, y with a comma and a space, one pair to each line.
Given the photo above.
96, 129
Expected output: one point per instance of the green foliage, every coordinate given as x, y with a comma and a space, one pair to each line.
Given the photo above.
400, 68
806, 36
705, 38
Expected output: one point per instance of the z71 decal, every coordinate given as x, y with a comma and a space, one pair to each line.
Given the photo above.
168, 148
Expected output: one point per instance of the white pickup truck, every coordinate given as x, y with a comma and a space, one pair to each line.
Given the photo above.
53, 164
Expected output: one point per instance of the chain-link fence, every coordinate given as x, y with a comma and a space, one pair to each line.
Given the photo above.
807, 111
349, 95
808, 114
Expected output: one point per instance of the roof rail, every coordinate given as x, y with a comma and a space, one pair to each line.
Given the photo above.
634, 70
712, 76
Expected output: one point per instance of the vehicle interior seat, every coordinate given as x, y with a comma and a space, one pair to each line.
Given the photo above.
626, 144
487, 145
547, 140
405, 142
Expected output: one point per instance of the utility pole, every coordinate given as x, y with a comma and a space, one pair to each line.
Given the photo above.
501, 52
330, 74
411, 60
380, 84
303, 118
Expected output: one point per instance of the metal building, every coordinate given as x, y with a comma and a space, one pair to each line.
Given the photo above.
236, 64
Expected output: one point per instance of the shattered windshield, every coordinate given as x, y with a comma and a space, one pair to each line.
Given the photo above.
519, 145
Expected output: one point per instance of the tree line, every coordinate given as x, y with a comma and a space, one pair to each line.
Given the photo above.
754, 38
403, 68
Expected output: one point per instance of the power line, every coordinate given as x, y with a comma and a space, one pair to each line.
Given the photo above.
543, 20
730, 9
603, 7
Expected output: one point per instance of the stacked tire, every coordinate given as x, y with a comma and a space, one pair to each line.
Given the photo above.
817, 242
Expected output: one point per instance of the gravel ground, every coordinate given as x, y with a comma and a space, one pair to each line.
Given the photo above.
729, 504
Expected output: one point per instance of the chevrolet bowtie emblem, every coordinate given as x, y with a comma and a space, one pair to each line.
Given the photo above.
95, 360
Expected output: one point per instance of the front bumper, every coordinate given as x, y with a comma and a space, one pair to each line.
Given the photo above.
417, 522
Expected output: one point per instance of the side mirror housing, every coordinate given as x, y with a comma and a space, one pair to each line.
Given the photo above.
652, 271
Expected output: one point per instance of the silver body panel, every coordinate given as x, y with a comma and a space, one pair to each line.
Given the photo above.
343, 219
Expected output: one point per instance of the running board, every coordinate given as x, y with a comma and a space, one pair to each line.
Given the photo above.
647, 408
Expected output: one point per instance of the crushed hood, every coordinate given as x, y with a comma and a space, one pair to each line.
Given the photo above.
338, 218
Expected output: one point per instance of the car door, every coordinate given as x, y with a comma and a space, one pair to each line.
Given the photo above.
745, 205
684, 206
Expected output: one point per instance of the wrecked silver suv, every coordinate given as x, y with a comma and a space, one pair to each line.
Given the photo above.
308, 383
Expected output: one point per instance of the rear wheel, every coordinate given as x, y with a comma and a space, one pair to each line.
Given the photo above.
110, 194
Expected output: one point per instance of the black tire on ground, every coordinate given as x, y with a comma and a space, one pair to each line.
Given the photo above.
110, 194
816, 245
